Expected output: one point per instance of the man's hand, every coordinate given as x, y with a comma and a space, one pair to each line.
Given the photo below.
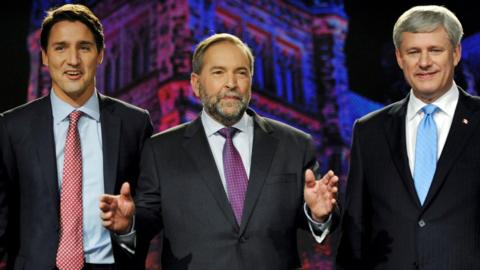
117, 211
320, 195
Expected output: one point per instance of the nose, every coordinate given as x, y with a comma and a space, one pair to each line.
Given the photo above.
231, 81
72, 58
425, 59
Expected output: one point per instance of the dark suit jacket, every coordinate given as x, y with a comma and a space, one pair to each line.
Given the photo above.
384, 224
29, 193
180, 191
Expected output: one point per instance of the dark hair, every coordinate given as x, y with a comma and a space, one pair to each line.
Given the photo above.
72, 13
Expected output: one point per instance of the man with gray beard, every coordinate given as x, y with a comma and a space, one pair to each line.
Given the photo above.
229, 189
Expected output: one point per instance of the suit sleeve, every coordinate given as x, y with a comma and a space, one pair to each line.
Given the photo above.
3, 210
3, 193
144, 133
148, 216
8, 216
351, 246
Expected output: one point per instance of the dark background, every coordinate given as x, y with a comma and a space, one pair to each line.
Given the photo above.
369, 46
14, 67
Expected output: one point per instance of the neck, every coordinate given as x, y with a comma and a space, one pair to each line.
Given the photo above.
73, 99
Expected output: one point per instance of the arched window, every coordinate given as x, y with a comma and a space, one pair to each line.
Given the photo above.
290, 85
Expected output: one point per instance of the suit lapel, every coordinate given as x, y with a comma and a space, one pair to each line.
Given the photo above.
394, 130
111, 125
263, 150
197, 147
458, 136
42, 133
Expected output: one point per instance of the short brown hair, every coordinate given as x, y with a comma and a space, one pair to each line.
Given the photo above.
72, 13
197, 59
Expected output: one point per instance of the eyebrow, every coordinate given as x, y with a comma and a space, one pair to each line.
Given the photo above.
217, 67
82, 42
223, 68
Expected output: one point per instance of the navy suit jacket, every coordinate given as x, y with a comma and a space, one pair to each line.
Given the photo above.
384, 225
29, 193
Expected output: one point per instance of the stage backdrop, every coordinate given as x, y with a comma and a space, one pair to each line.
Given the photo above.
300, 69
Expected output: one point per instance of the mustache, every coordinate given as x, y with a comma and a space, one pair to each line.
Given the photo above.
230, 94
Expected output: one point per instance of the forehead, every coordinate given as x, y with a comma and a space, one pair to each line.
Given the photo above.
225, 53
70, 31
438, 37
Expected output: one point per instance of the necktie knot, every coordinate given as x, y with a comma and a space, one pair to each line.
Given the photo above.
228, 132
74, 117
429, 109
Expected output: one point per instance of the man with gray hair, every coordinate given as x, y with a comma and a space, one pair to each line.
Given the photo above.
414, 202
229, 189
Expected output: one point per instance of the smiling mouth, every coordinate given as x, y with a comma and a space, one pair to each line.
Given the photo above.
426, 75
73, 75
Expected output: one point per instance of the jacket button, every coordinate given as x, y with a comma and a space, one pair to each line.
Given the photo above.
242, 239
422, 223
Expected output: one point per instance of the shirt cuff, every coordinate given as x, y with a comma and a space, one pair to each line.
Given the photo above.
128, 241
319, 230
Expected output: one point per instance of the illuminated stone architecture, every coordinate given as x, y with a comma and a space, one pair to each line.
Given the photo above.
300, 76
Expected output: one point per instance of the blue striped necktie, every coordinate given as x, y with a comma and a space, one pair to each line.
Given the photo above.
425, 152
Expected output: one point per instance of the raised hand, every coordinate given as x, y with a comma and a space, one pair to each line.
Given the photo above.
117, 211
320, 195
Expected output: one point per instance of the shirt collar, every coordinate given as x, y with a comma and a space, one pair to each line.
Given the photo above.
61, 109
211, 125
446, 103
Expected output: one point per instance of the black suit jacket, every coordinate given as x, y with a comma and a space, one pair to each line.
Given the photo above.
180, 191
384, 224
29, 193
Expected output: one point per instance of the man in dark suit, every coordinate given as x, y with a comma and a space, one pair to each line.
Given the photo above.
190, 188
412, 199
60, 152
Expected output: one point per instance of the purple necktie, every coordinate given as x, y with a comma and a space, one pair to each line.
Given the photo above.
235, 174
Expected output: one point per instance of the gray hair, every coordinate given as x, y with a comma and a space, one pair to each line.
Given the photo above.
426, 19
199, 53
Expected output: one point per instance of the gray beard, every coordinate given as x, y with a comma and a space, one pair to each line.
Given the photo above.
216, 113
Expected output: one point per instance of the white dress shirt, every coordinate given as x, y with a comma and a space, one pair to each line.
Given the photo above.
443, 119
243, 141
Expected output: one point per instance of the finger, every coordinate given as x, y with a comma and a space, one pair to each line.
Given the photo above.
328, 176
107, 198
107, 223
309, 178
106, 215
333, 182
104, 207
125, 191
